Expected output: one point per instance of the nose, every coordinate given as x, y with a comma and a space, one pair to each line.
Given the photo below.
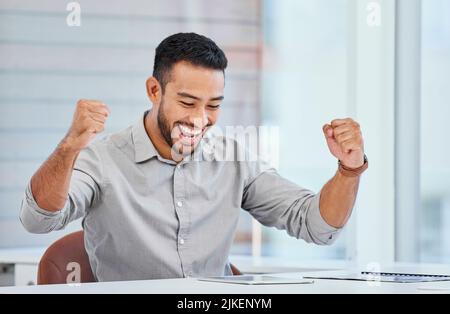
200, 119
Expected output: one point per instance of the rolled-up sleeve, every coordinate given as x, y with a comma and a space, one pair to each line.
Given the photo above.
84, 191
276, 202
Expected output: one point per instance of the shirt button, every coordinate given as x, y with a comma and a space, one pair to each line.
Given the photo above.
179, 204
181, 241
178, 167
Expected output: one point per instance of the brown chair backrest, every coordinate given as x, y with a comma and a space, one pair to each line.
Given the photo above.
57, 265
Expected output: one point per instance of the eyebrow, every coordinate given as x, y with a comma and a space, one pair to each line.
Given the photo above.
197, 98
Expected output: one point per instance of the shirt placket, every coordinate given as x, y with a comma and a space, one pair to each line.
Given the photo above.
181, 207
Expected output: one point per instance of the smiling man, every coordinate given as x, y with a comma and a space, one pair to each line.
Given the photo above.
149, 210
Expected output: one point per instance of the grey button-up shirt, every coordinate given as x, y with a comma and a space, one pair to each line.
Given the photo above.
145, 217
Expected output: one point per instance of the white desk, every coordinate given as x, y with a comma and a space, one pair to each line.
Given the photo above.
193, 286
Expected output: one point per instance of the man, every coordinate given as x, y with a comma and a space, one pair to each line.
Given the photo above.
150, 211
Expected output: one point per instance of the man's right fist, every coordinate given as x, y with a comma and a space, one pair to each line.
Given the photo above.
88, 120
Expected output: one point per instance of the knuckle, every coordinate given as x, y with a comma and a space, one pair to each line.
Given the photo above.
80, 105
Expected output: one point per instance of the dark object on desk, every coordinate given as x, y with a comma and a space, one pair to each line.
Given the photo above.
384, 277
235, 271
70, 248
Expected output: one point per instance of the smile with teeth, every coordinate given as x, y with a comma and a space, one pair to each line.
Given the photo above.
189, 133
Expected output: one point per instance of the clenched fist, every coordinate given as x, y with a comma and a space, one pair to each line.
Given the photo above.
345, 141
88, 120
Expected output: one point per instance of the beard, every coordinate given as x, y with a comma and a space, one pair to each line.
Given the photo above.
177, 149
164, 125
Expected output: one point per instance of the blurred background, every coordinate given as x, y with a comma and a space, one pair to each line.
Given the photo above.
294, 64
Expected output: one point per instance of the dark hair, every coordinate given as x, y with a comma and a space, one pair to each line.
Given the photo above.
190, 47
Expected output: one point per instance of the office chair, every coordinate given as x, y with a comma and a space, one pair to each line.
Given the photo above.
56, 259
70, 248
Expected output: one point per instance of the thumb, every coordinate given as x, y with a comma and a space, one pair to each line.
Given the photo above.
333, 146
328, 131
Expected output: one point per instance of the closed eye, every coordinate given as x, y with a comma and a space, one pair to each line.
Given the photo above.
188, 104
214, 106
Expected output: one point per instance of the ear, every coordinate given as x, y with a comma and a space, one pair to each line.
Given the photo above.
154, 91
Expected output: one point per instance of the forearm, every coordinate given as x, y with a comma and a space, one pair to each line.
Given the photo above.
338, 198
50, 183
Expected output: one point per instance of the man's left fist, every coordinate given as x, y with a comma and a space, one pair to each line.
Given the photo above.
345, 141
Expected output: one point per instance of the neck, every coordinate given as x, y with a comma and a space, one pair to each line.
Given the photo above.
154, 133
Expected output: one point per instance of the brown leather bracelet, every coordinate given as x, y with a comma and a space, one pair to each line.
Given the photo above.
353, 172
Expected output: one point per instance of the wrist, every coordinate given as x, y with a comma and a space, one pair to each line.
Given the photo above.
353, 172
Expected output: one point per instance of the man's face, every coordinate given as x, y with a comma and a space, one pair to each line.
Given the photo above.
190, 105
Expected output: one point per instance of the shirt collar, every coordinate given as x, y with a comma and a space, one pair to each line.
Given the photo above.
143, 146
